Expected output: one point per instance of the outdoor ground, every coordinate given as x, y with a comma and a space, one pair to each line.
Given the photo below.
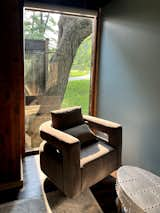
77, 93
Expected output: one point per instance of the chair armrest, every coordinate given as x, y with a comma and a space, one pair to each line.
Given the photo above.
114, 131
70, 148
56, 137
101, 124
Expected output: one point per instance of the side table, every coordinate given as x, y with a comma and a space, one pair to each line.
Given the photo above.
138, 190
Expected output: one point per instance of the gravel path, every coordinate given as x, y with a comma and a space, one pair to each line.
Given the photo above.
84, 77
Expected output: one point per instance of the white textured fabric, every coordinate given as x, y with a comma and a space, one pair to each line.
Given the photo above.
138, 190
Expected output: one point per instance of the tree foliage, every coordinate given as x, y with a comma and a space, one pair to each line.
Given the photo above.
37, 24
82, 60
73, 45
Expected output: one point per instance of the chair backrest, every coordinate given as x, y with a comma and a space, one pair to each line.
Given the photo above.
70, 120
66, 118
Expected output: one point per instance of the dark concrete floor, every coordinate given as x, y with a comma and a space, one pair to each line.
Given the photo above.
104, 191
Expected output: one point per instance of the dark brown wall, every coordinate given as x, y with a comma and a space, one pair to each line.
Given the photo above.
11, 94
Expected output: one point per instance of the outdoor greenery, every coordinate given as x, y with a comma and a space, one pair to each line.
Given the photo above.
69, 55
40, 26
82, 60
77, 73
77, 93
43, 25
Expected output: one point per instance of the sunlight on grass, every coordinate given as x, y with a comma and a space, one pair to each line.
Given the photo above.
77, 94
76, 73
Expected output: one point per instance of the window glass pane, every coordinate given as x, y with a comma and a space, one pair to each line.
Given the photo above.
57, 67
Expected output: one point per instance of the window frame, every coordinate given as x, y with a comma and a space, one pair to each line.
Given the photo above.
96, 15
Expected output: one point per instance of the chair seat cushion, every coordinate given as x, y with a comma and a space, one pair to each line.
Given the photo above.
83, 133
97, 161
94, 151
67, 118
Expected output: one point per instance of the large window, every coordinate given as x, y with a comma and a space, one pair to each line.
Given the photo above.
58, 50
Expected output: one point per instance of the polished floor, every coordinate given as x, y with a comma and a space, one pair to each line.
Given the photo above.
104, 191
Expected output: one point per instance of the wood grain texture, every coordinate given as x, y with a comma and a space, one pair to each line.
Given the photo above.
95, 64
11, 75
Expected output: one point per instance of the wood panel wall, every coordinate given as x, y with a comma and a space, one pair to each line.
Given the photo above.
11, 95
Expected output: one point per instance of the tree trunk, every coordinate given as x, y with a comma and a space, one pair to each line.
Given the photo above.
72, 31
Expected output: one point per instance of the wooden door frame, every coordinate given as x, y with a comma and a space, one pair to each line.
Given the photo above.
95, 65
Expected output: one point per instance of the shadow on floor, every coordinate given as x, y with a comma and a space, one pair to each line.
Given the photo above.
104, 191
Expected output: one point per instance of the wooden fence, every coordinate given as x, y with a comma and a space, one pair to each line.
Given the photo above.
36, 66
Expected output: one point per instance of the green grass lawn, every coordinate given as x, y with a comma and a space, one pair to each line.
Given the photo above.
76, 73
77, 94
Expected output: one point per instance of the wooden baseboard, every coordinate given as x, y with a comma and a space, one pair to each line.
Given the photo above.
11, 185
